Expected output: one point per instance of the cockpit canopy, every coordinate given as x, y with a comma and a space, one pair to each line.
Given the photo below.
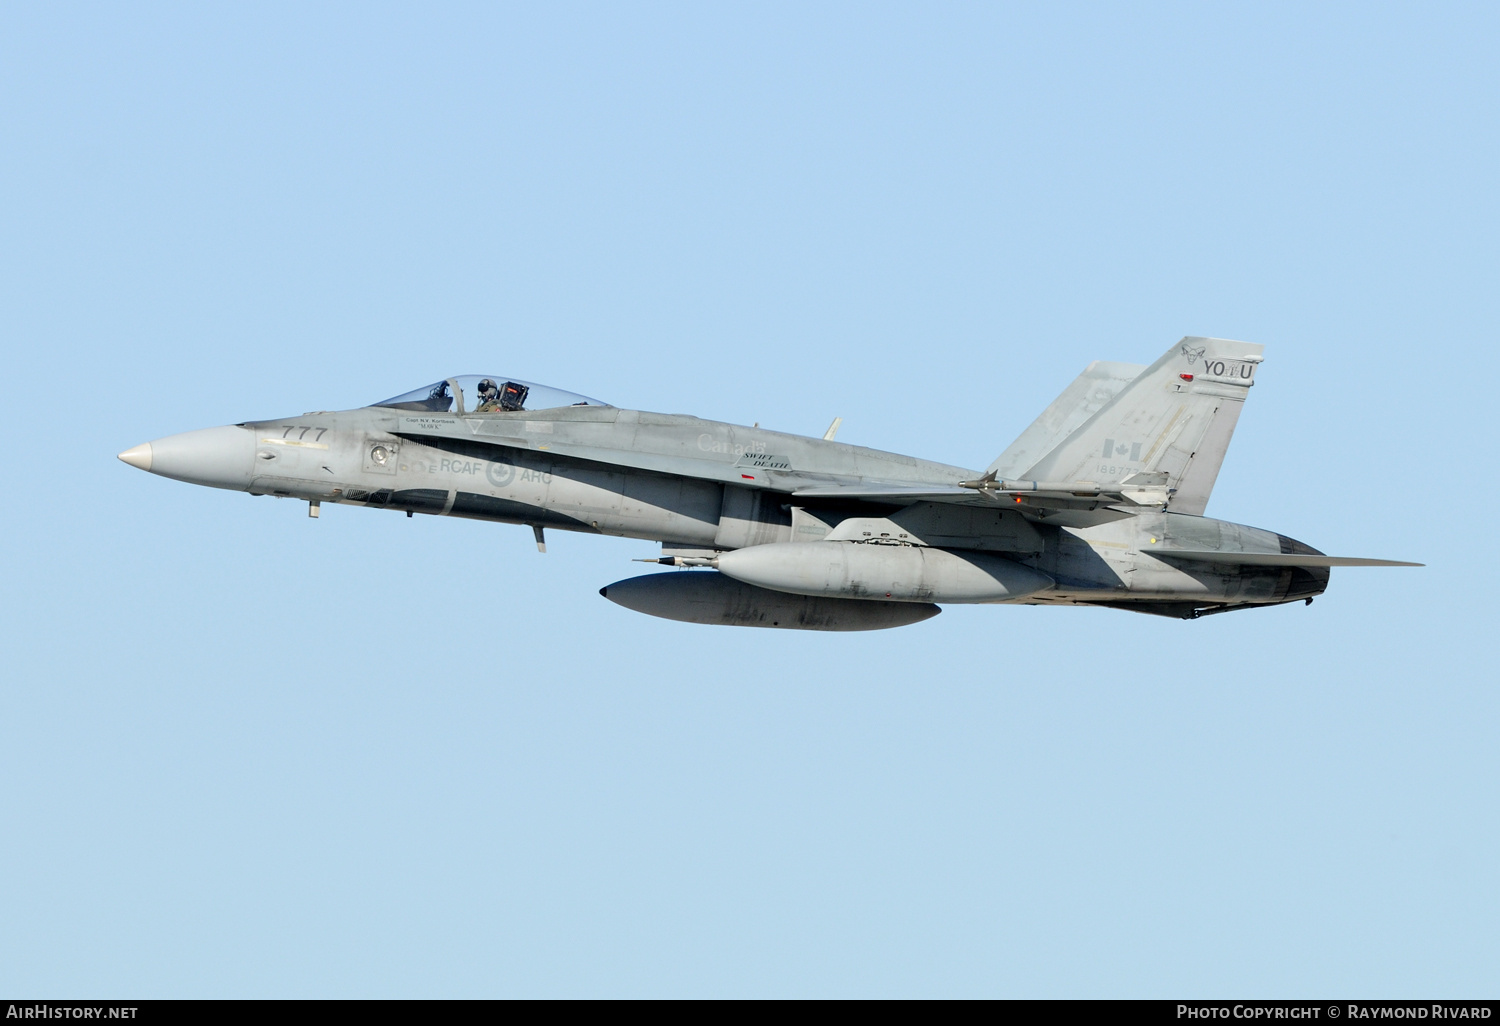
485, 393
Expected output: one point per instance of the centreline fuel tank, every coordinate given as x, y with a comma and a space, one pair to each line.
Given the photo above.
887, 573
702, 596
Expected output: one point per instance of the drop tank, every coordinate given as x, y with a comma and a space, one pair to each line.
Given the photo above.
886, 573
702, 596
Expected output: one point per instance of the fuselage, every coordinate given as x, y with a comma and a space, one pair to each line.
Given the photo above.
702, 488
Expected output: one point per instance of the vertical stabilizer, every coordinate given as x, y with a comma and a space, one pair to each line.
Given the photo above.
1176, 416
1100, 382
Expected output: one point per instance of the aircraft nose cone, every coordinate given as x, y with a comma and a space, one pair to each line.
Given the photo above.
220, 457
138, 457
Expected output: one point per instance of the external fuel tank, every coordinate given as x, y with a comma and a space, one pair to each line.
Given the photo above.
703, 596
889, 573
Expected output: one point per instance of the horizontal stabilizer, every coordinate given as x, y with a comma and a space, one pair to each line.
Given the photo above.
1273, 558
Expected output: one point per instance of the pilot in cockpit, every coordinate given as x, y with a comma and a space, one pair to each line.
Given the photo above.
489, 397
510, 396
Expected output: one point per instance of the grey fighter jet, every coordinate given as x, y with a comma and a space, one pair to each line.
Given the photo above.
1099, 502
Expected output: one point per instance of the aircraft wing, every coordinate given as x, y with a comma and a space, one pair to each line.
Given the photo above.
889, 493
474, 438
1081, 505
749, 470
1072, 504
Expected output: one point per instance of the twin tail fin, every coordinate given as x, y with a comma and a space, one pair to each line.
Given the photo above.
1175, 417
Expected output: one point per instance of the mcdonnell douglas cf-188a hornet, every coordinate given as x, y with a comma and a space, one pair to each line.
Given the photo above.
1098, 503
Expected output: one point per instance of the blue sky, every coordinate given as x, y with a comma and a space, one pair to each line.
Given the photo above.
250, 754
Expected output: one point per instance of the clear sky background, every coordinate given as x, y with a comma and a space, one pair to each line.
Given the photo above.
245, 753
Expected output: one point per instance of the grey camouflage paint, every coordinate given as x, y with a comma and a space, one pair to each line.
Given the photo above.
1116, 474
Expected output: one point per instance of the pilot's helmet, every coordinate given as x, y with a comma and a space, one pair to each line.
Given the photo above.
487, 388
